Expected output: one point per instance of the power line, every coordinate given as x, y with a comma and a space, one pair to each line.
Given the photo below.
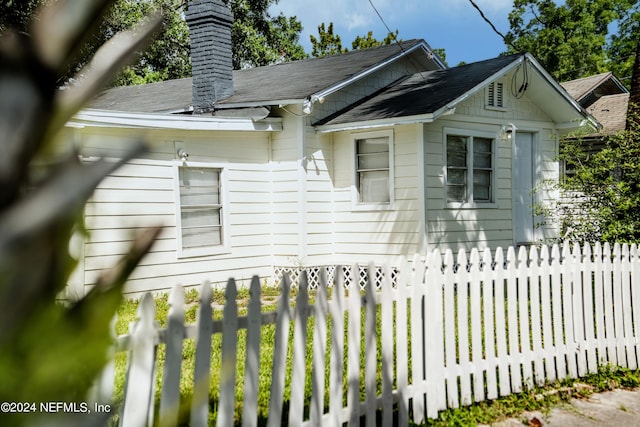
493, 26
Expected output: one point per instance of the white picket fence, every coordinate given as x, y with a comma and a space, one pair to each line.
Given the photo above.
450, 332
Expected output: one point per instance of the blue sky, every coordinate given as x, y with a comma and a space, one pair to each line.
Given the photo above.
454, 25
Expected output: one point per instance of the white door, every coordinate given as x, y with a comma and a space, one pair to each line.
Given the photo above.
523, 184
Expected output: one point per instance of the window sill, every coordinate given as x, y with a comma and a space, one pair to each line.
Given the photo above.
203, 252
492, 205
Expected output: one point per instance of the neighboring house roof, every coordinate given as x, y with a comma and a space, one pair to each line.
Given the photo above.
588, 89
285, 83
604, 97
428, 95
611, 112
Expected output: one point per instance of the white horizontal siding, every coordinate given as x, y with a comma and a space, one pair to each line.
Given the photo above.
142, 193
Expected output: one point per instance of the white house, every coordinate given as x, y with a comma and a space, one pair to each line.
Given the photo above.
367, 156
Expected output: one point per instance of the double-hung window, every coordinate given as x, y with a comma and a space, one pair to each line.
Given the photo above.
470, 169
373, 171
200, 210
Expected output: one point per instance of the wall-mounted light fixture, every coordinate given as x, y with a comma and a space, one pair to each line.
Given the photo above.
507, 132
182, 155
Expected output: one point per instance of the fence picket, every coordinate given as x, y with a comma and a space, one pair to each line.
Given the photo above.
487, 279
283, 316
202, 369
434, 342
319, 351
578, 309
337, 309
627, 308
501, 323
546, 313
526, 357
599, 296
370, 350
568, 304
635, 295
607, 284
402, 347
300, 316
449, 321
252, 368
512, 313
353, 357
588, 285
170, 398
226, 403
139, 393
556, 302
536, 321
475, 296
386, 342
464, 343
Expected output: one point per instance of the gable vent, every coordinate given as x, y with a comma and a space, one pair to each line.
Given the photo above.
495, 95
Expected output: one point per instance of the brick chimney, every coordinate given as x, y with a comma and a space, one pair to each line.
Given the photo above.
209, 24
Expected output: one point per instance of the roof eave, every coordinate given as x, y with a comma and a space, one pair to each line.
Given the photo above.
104, 118
372, 124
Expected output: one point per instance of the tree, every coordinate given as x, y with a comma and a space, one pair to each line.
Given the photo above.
327, 43
571, 40
368, 41
49, 351
258, 38
606, 185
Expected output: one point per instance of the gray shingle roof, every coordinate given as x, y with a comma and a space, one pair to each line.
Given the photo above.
280, 82
611, 112
588, 89
421, 93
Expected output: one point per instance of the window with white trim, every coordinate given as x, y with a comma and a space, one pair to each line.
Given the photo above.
200, 210
495, 95
373, 171
470, 169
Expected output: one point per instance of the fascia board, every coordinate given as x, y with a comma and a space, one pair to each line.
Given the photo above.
100, 118
370, 124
